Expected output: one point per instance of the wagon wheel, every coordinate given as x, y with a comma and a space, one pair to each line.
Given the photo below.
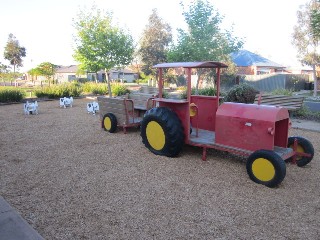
266, 167
304, 146
162, 132
109, 122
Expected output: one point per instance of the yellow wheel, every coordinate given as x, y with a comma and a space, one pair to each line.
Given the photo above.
109, 122
266, 167
303, 146
162, 132
155, 135
263, 169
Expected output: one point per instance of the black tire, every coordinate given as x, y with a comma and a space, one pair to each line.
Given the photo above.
303, 146
266, 167
109, 122
162, 132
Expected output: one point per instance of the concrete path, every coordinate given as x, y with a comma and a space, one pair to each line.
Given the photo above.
13, 226
306, 125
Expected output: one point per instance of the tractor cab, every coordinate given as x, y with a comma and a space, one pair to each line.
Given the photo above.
257, 131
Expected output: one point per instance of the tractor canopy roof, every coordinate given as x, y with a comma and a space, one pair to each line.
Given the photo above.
206, 64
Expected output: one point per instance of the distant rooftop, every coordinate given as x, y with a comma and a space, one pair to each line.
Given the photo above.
245, 58
67, 69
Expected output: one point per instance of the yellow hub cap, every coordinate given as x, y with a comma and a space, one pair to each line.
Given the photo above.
155, 135
193, 110
263, 169
299, 150
107, 123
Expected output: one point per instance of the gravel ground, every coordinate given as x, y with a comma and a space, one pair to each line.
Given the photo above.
71, 180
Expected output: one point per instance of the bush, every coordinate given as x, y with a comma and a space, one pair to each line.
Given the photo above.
58, 91
210, 91
11, 95
119, 89
95, 88
242, 93
282, 91
305, 113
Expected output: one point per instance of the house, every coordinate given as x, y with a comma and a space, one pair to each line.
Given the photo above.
249, 63
300, 70
70, 73
67, 73
123, 75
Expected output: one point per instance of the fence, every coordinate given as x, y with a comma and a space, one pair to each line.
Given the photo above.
271, 82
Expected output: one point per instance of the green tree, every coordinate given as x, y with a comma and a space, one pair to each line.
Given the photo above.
154, 43
315, 22
34, 72
13, 52
47, 70
306, 37
203, 40
4, 70
100, 44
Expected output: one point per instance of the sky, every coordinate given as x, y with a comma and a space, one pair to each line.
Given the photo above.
45, 27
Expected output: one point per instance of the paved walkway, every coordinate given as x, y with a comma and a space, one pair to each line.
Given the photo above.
14, 227
306, 125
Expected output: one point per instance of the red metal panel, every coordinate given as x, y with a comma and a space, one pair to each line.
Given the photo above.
251, 127
253, 111
207, 107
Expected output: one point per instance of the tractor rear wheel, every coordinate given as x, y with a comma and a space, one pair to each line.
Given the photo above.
304, 146
162, 132
266, 167
109, 122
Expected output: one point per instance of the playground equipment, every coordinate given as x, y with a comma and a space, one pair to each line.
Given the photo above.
66, 102
93, 107
123, 111
259, 132
117, 112
30, 108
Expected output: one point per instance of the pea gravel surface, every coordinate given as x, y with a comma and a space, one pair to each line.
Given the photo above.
69, 179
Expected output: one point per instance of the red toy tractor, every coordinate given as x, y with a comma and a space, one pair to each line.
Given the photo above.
257, 131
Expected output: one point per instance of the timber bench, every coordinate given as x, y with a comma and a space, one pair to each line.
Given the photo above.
288, 102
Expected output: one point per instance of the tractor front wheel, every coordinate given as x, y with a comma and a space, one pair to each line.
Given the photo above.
162, 132
303, 146
266, 167
109, 122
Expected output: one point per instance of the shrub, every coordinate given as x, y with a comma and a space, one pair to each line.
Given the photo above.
242, 93
11, 95
95, 88
305, 113
57, 91
282, 91
210, 91
119, 89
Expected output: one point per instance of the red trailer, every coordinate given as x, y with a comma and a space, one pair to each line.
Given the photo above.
259, 132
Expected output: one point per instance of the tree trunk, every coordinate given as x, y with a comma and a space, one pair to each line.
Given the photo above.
314, 80
199, 73
108, 82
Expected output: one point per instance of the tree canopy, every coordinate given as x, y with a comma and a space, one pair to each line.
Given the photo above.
305, 37
99, 43
13, 52
46, 69
204, 39
154, 43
